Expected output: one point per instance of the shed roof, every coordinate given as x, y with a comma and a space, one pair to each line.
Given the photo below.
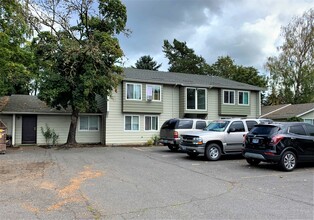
290, 111
184, 79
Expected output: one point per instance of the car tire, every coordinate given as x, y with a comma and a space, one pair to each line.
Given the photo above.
288, 161
252, 161
193, 154
213, 152
173, 148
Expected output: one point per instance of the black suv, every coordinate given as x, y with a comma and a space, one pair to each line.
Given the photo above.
284, 143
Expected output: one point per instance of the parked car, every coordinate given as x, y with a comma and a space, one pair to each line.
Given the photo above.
283, 143
171, 130
218, 138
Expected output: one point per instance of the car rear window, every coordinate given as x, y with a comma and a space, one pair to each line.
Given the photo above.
264, 130
185, 124
170, 124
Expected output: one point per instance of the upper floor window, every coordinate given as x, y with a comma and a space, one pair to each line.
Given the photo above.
153, 92
196, 99
133, 91
228, 97
89, 123
243, 97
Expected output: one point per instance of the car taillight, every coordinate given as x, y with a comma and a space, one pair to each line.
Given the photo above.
175, 134
276, 139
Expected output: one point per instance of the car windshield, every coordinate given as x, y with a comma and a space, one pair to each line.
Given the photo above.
217, 126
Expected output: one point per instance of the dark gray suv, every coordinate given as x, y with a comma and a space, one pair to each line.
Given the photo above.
172, 129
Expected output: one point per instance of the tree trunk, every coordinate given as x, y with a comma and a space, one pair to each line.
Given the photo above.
72, 131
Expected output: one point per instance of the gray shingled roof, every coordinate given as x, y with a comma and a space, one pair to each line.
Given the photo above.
184, 79
271, 108
291, 111
27, 104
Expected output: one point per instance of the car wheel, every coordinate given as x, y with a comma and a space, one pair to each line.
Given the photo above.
253, 162
193, 154
288, 161
213, 152
173, 148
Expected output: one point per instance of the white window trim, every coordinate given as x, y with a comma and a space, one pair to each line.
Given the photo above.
249, 95
223, 96
186, 101
139, 123
157, 122
126, 91
153, 95
79, 124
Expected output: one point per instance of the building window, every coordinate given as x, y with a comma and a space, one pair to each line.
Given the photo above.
310, 121
153, 92
89, 123
151, 123
132, 123
243, 98
196, 99
133, 91
228, 97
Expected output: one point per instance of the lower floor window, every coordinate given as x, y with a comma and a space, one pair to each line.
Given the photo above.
310, 121
132, 123
151, 123
89, 123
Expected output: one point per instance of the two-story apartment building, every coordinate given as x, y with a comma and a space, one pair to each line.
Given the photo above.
145, 99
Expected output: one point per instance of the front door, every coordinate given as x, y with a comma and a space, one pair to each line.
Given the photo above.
29, 129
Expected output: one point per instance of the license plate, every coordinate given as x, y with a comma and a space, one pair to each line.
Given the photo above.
255, 141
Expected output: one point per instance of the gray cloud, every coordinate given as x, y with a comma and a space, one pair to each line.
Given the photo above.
246, 30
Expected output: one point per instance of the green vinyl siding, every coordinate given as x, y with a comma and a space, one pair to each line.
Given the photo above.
143, 105
233, 109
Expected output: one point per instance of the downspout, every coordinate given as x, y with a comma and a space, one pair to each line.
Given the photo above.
13, 130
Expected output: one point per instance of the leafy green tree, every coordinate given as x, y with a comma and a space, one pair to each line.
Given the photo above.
15, 57
183, 59
226, 68
79, 61
292, 71
147, 63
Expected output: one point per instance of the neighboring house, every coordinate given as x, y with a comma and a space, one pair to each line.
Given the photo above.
25, 115
146, 99
136, 110
286, 111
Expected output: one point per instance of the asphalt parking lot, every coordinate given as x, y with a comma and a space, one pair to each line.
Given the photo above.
147, 183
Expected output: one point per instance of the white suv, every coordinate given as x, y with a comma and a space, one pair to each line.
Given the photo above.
172, 129
218, 138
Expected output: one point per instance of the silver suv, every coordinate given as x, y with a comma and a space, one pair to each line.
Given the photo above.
219, 137
172, 129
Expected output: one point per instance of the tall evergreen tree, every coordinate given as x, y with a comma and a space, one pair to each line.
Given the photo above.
147, 62
183, 59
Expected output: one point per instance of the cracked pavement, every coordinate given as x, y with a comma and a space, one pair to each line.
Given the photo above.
147, 183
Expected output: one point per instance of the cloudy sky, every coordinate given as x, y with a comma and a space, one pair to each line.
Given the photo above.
246, 30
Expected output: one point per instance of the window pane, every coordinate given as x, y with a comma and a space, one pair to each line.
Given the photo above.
246, 98
83, 122
129, 88
226, 97
298, 129
128, 120
135, 123
156, 93
201, 99
185, 124
137, 92
147, 123
231, 97
93, 123
200, 124
155, 123
190, 98
240, 97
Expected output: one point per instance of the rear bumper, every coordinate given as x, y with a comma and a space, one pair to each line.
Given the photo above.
261, 155
175, 141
